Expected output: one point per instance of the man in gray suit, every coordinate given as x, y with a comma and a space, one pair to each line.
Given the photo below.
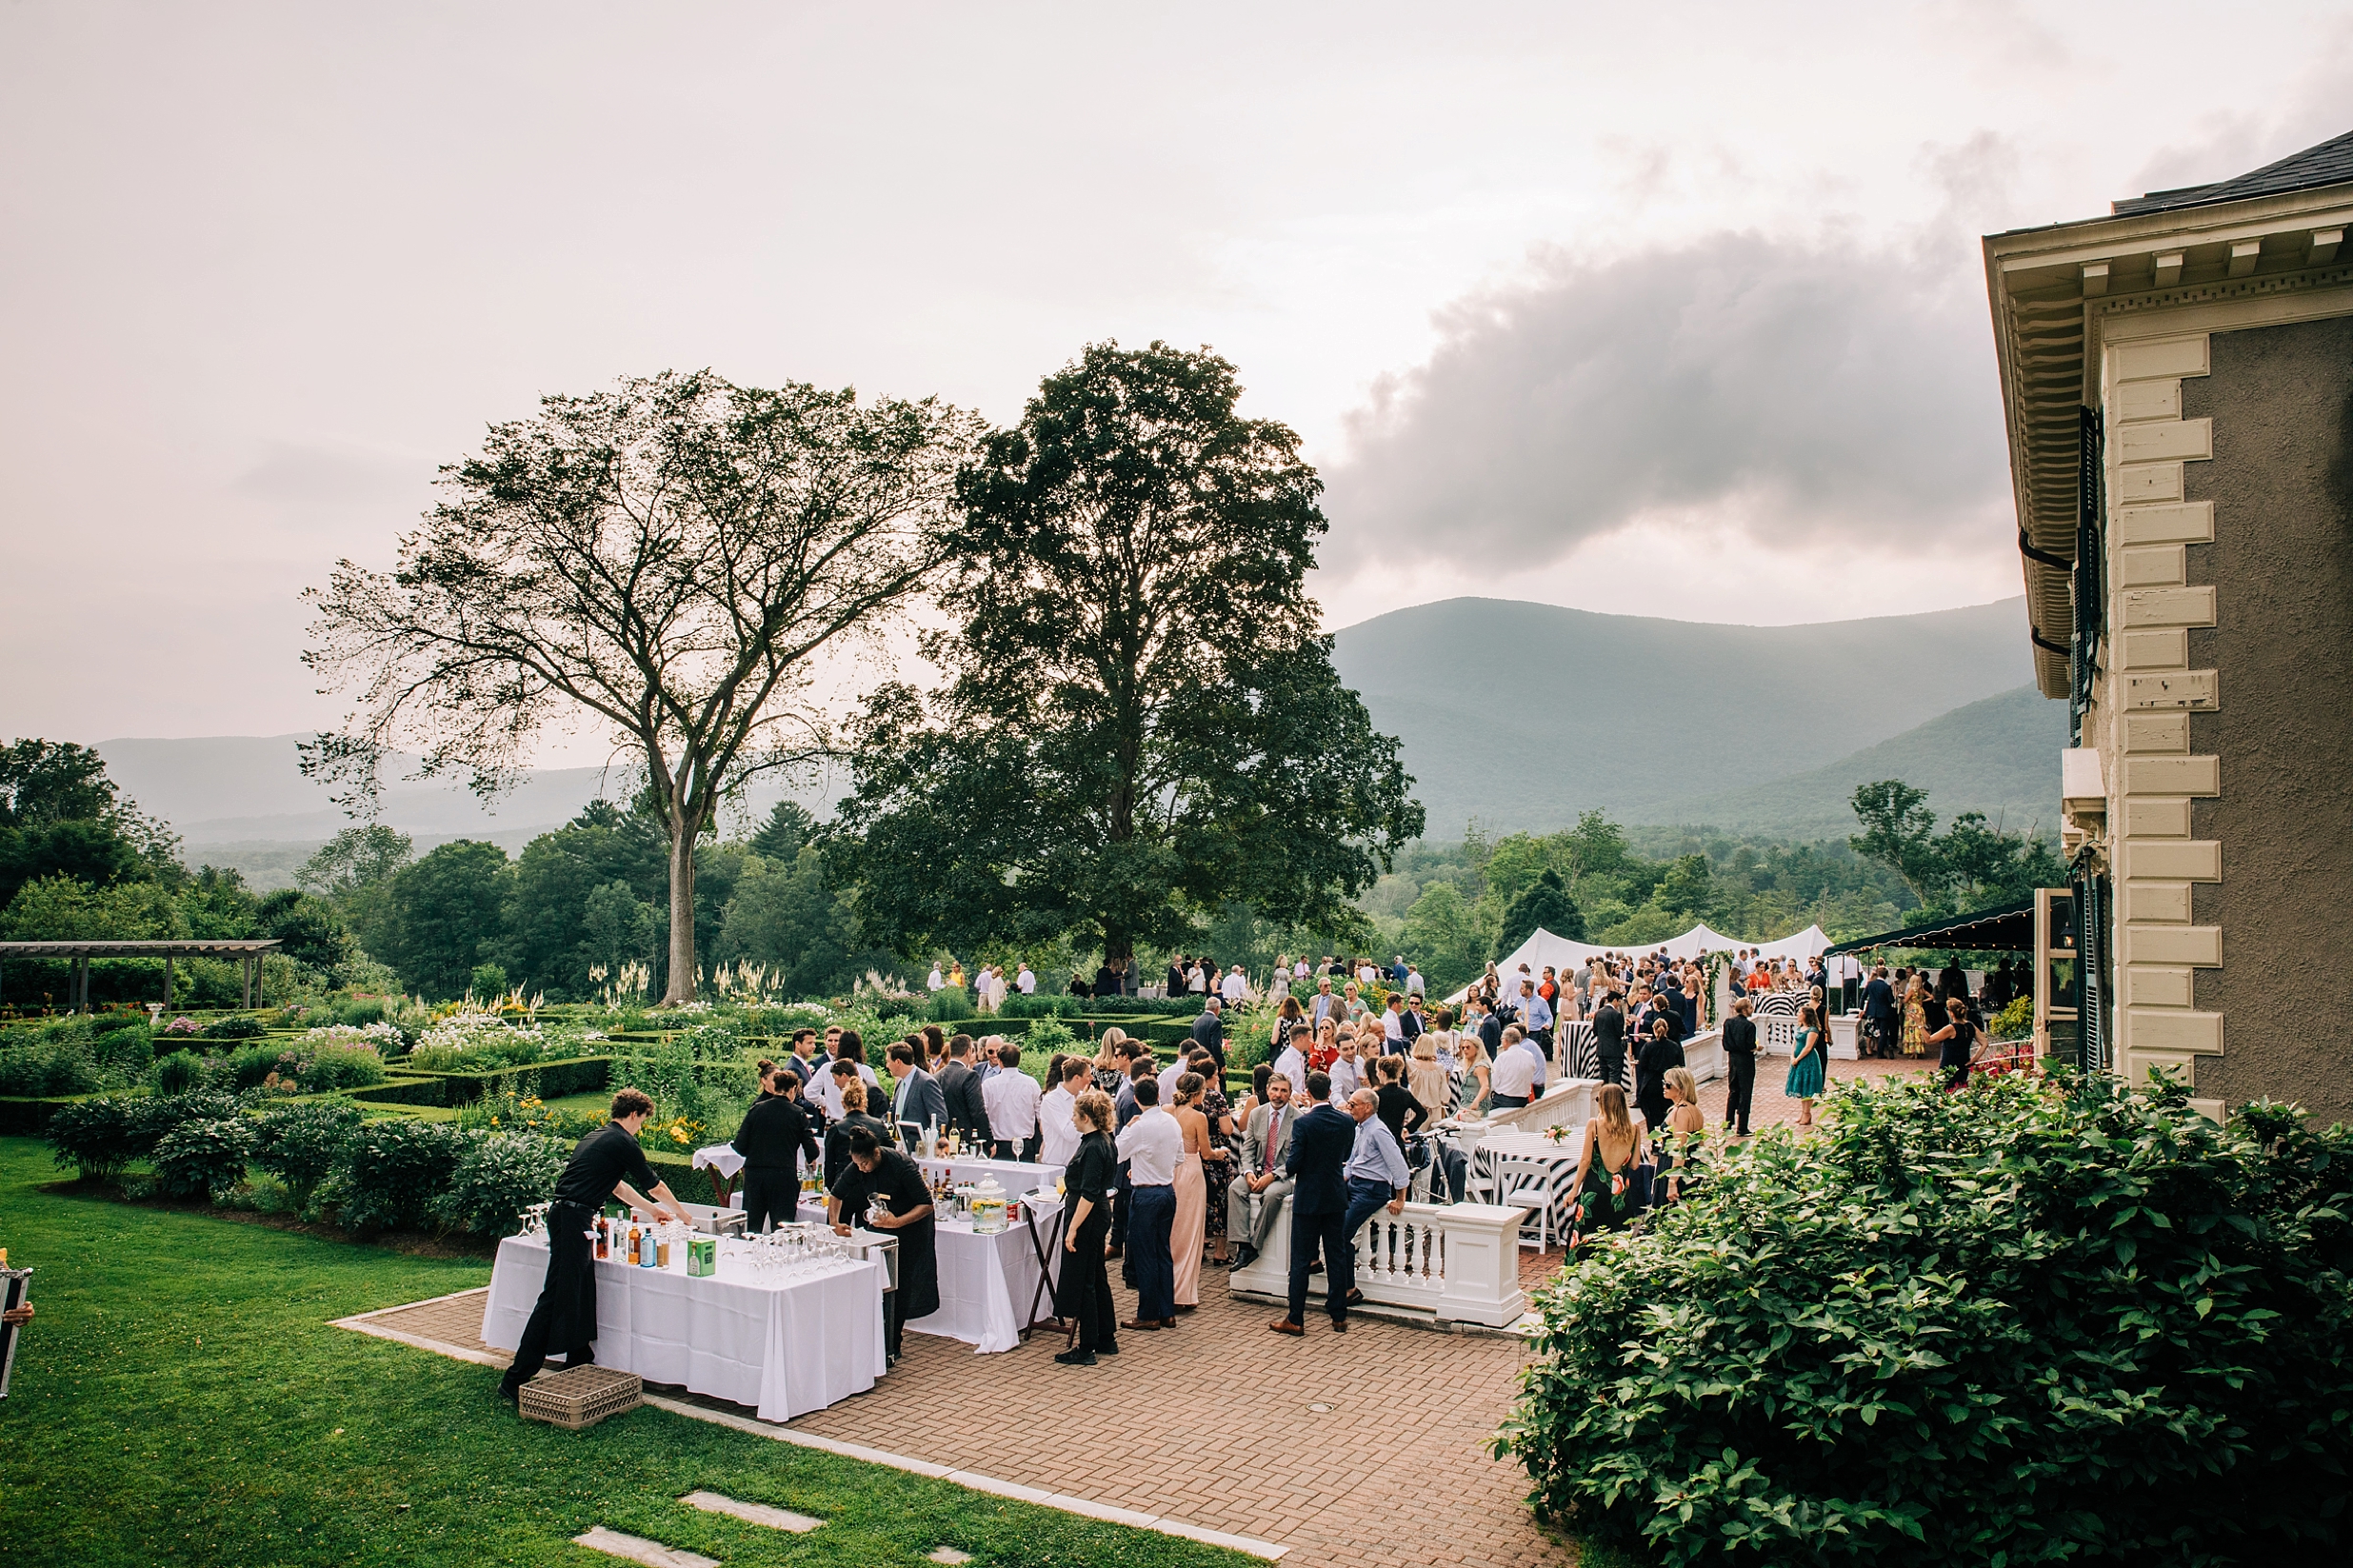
1265, 1143
915, 1094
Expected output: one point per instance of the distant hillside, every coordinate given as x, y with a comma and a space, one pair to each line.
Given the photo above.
242, 801
1523, 715
1998, 756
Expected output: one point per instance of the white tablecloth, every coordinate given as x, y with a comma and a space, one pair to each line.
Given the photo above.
784, 1347
987, 1282
723, 1156
1013, 1174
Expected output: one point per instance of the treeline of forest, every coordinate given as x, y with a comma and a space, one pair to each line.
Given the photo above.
584, 910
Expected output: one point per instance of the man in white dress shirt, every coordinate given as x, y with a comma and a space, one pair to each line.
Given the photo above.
1347, 1075
1292, 1064
1013, 1098
1514, 1075
1027, 981
1151, 1145
1235, 987
1058, 1132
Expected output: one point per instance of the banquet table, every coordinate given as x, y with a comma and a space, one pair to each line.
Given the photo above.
784, 1345
988, 1282
1560, 1162
1016, 1177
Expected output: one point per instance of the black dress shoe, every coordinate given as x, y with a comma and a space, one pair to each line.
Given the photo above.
1076, 1357
1106, 1348
510, 1395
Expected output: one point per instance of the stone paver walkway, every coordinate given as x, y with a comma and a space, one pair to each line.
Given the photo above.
1217, 1422
1227, 1426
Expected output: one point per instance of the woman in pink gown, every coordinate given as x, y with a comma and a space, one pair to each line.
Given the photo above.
1192, 1193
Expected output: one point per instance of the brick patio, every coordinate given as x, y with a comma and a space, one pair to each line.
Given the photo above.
1224, 1425
1215, 1422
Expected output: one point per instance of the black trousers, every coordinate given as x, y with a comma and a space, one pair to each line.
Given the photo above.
1613, 1066
1329, 1234
770, 1197
565, 1314
1744, 1069
1085, 1290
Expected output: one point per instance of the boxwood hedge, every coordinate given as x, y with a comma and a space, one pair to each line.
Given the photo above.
2016, 1324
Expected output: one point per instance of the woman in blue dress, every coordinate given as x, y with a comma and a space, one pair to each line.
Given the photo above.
1807, 1065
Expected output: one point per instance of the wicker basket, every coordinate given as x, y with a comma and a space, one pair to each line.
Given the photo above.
580, 1398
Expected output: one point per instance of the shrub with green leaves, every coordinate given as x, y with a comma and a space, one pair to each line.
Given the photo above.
2013, 1022
199, 1159
948, 1005
178, 1073
332, 1066
393, 1172
1046, 1035
2017, 1324
157, 1117
92, 1136
498, 1176
231, 1028
299, 1144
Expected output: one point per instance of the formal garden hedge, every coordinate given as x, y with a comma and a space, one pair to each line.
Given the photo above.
2017, 1324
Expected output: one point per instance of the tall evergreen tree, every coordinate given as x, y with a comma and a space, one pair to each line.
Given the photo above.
1543, 902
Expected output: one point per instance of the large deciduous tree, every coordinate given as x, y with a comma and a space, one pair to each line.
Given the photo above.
1141, 721
665, 562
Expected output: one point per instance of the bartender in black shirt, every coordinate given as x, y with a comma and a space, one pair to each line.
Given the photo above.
878, 1172
603, 1166
775, 1133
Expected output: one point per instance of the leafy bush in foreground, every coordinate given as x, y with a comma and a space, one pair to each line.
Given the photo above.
393, 1172
300, 1144
2012, 1325
497, 1178
198, 1159
93, 1137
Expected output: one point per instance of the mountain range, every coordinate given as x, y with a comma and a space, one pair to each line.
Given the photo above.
1517, 715
1523, 715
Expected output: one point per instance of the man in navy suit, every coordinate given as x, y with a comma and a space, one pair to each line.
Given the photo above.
1320, 1143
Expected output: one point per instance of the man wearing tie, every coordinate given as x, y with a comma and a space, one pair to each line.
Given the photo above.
1320, 1143
1265, 1144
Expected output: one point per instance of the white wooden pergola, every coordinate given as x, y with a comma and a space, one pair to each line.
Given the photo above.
247, 953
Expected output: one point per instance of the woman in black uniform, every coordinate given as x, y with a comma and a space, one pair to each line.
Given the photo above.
875, 1171
1083, 1292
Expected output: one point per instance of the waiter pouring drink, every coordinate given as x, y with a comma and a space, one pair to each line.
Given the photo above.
603, 1167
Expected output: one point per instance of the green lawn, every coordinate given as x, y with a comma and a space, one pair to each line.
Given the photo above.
181, 1398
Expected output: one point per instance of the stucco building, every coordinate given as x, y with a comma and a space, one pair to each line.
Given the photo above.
2177, 379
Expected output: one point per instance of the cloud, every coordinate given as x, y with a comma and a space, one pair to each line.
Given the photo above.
1797, 392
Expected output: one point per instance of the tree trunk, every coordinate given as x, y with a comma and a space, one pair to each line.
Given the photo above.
681, 986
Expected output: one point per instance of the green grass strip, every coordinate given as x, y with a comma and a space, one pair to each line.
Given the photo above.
181, 1398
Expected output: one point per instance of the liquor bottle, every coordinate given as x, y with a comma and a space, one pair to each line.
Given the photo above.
636, 1239
603, 1247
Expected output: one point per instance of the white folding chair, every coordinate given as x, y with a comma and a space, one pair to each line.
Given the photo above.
1528, 1183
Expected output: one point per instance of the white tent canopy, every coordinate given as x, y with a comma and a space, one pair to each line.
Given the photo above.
1543, 947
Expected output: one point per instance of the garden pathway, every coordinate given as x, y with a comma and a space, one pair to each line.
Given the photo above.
1223, 1424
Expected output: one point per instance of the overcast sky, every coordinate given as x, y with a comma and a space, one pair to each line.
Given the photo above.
1675, 313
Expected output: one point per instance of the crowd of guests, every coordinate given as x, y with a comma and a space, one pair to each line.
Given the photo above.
1169, 1174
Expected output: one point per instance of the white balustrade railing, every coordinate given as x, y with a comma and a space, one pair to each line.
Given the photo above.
1566, 1103
1459, 1262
